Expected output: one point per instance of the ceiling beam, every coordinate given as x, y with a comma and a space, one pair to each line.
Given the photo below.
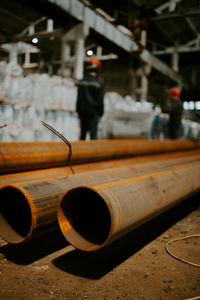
180, 49
33, 24
167, 5
14, 16
165, 33
29, 37
192, 13
149, 58
192, 27
99, 24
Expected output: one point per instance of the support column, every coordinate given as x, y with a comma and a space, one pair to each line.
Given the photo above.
76, 35
144, 79
27, 57
144, 88
175, 61
146, 70
144, 37
65, 56
13, 53
79, 61
49, 25
99, 51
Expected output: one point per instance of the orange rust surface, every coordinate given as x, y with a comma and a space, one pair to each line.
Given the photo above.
133, 201
81, 168
22, 156
43, 195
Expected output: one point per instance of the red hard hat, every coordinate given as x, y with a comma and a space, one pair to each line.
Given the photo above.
94, 63
175, 92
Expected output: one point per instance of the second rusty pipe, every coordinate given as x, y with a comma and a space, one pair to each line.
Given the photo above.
29, 207
83, 168
22, 156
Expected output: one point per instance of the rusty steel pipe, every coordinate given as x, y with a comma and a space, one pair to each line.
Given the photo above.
27, 208
22, 156
82, 168
91, 217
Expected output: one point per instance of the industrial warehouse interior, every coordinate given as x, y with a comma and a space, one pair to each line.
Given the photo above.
100, 149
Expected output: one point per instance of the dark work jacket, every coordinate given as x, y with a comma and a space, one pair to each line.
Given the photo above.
90, 98
175, 111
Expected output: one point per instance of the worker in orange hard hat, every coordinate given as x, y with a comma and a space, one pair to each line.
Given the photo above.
94, 63
174, 92
90, 100
175, 111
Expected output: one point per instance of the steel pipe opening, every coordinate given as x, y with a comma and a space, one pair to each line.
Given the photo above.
85, 218
93, 216
15, 215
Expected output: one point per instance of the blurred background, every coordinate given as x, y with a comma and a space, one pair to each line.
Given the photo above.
145, 47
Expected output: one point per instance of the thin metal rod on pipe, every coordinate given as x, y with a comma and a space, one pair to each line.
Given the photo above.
27, 207
91, 217
17, 157
58, 134
82, 168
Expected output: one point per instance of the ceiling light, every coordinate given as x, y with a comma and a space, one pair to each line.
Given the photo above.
34, 40
89, 52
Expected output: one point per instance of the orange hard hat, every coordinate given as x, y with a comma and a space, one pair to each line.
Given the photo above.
175, 92
94, 63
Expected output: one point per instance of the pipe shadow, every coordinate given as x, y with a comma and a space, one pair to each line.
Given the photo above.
36, 248
94, 265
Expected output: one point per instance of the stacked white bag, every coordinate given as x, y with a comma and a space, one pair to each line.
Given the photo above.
125, 118
40, 97
35, 98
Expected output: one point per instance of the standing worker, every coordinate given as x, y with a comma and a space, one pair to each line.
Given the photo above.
90, 100
175, 111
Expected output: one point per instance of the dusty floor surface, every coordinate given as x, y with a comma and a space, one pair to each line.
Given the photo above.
135, 267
